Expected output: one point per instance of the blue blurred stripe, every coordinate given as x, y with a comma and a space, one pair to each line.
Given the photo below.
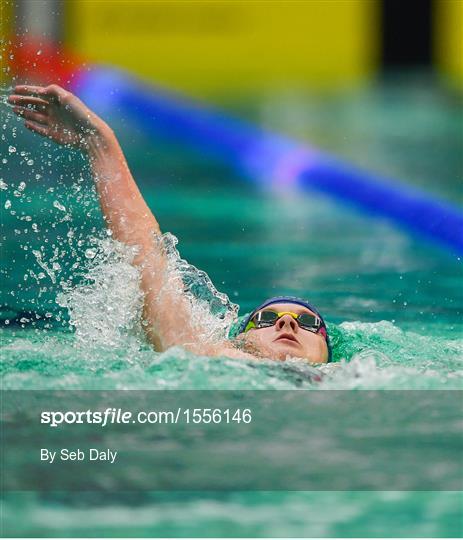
271, 159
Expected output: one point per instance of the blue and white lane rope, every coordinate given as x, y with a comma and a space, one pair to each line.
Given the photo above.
271, 159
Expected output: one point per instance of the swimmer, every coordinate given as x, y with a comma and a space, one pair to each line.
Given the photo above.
280, 328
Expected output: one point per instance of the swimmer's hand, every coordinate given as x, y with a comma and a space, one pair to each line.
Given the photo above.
57, 114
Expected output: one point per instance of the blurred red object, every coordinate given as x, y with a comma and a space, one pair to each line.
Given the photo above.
38, 61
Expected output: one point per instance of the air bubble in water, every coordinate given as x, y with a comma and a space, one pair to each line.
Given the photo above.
22, 186
11, 149
7, 204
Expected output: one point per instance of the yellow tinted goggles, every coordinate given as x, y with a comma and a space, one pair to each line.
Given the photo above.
267, 317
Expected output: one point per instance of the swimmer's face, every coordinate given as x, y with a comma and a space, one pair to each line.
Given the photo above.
286, 339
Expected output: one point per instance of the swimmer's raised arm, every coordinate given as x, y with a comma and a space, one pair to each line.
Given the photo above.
59, 115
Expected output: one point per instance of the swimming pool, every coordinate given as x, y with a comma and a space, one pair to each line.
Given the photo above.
393, 302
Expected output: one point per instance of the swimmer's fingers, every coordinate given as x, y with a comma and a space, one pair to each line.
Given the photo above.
49, 93
29, 90
37, 128
28, 101
29, 114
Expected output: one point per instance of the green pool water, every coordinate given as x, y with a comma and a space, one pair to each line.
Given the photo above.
393, 302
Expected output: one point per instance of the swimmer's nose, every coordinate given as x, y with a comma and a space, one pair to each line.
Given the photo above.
285, 322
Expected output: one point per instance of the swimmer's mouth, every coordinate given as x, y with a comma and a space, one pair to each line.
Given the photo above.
287, 336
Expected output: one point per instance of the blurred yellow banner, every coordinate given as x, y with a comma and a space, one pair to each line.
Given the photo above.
448, 39
209, 47
6, 33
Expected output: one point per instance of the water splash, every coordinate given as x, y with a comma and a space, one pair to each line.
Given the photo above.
106, 305
209, 307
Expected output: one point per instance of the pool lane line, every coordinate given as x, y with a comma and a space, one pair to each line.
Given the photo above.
268, 158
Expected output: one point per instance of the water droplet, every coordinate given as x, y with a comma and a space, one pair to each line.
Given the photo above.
90, 253
22, 186
11, 149
7, 204
30, 162
3, 185
59, 206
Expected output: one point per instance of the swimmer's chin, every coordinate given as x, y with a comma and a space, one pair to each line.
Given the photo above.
279, 353
283, 350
